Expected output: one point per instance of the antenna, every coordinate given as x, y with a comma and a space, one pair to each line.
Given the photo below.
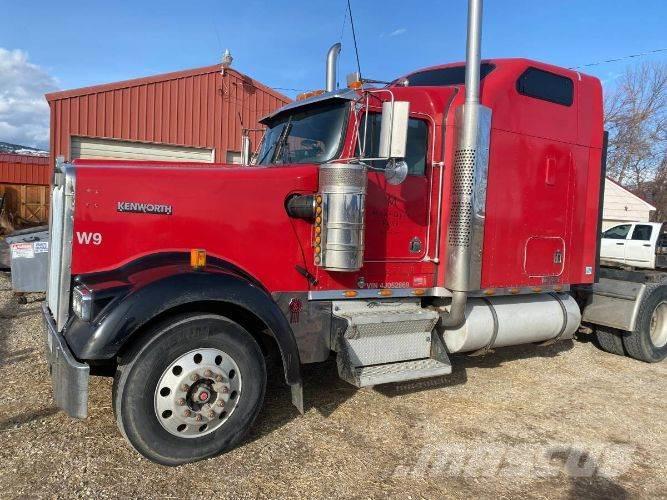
354, 37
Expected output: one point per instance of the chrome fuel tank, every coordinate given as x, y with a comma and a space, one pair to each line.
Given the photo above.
513, 320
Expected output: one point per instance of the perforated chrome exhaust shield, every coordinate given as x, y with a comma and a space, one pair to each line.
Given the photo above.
465, 234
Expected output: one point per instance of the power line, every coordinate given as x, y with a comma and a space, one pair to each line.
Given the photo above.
649, 52
354, 37
288, 89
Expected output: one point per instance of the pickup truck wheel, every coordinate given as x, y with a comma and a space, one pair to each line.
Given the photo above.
610, 340
191, 391
648, 342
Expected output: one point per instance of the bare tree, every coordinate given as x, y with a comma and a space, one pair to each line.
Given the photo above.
635, 114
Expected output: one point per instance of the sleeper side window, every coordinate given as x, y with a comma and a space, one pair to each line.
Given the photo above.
547, 86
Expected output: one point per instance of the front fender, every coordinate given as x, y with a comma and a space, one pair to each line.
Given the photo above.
121, 319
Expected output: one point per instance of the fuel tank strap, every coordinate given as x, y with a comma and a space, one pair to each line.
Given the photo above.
563, 326
564, 309
496, 326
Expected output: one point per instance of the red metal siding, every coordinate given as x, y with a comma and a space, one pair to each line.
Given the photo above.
197, 108
24, 169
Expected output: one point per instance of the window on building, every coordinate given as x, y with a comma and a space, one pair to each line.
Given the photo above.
417, 144
617, 232
642, 232
547, 86
234, 157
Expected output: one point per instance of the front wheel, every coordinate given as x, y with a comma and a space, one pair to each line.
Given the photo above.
191, 391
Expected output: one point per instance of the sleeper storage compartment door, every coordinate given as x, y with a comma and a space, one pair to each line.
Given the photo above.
544, 256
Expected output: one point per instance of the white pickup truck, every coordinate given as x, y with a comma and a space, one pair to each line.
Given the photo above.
635, 245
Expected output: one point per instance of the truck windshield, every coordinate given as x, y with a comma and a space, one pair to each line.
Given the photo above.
311, 135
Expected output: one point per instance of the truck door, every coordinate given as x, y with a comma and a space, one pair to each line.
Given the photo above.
612, 245
397, 215
640, 248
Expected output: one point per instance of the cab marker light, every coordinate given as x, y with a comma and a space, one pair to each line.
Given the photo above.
418, 291
197, 258
490, 291
385, 292
350, 293
514, 291
537, 289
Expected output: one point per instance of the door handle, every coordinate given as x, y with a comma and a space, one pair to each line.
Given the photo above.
620, 243
646, 245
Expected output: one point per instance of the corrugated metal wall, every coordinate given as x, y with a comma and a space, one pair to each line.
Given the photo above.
24, 187
199, 108
24, 169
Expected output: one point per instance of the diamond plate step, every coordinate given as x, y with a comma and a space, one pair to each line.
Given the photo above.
400, 372
380, 342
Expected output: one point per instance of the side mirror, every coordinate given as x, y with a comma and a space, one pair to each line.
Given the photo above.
394, 129
396, 171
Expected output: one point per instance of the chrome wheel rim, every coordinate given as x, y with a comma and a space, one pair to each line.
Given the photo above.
197, 393
659, 325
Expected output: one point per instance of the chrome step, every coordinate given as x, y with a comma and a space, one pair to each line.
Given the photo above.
400, 372
387, 341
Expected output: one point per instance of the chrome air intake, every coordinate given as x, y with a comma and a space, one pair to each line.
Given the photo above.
339, 223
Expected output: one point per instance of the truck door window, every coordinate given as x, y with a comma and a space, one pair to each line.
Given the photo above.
617, 232
642, 232
417, 143
546, 86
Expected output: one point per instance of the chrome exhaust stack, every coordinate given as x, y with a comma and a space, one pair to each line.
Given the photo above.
468, 195
332, 60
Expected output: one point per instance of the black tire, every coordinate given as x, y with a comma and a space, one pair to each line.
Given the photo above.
140, 369
610, 340
638, 343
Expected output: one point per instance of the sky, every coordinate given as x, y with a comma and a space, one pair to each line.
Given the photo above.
47, 45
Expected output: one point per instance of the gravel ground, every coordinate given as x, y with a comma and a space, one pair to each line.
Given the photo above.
557, 421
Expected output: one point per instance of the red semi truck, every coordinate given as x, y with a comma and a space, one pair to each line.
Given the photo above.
455, 210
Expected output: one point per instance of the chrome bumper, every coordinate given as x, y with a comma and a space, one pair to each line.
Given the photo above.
69, 377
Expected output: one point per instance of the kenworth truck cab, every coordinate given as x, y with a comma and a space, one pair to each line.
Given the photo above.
454, 210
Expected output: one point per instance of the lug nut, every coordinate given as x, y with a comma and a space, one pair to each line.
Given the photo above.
225, 390
208, 373
181, 402
185, 387
221, 403
187, 413
194, 377
198, 417
211, 414
218, 378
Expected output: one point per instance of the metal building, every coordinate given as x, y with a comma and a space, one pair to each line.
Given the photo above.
192, 115
24, 189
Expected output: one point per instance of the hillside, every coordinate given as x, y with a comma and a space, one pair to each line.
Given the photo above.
6, 147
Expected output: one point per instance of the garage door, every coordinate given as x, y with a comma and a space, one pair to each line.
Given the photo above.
112, 149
